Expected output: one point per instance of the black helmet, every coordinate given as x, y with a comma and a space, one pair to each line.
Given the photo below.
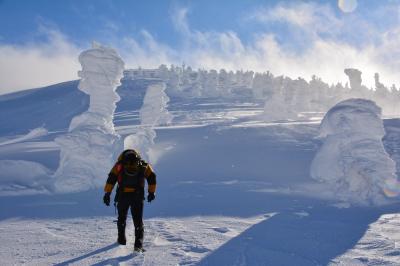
130, 156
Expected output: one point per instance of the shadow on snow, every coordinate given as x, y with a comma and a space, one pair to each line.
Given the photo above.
98, 251
291, 239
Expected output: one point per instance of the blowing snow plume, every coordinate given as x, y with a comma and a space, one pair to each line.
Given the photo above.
153, 113
352, 159
87, 150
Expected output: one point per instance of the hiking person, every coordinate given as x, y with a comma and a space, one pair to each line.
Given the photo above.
130, 171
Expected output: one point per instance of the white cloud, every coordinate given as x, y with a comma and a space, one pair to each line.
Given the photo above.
179, 19
147, 52
307, 17
327, 53
302, 15
38, 64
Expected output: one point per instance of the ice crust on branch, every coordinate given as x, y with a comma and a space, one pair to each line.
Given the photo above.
352, 160
88, 149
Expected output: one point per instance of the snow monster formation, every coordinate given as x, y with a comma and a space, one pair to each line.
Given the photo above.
352, 160
87, 150
153, 113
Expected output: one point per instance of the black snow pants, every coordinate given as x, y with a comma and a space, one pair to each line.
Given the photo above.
134, 200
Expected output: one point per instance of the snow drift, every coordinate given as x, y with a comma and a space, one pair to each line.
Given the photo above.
34, 133
352, 159
20, 177
88, 150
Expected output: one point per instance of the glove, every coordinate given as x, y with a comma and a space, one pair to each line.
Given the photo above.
150, 196
106, 198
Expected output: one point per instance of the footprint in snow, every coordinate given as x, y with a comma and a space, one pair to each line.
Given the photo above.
172, 238
196, 249
160, 241
393, 253
221, 229
302, 214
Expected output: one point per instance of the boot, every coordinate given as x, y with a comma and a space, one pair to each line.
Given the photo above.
139, 231
136, 249
121, 234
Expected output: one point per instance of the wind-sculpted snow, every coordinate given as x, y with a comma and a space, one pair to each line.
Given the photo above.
152, 113
34, 133
88, 149
352, 159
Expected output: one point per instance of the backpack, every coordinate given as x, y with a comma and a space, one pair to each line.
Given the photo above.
125, 178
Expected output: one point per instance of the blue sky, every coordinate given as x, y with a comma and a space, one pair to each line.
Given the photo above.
293, 38
83, 21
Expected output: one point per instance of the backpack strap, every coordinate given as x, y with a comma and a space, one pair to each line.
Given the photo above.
120, 169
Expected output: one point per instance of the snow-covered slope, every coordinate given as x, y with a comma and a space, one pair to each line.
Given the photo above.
51, 107
233, 189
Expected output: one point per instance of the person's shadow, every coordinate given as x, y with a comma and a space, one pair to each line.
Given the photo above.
114, 261
111, 261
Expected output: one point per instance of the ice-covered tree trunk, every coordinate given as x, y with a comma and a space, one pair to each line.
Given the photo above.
352, 160
87, 150
153, 113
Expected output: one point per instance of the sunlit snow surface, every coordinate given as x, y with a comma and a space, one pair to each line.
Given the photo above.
172, 240
380, 244
233, 189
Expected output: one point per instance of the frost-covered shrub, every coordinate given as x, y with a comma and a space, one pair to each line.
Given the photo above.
87, 150
352, 159
293, 95
153, 113
154, 110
